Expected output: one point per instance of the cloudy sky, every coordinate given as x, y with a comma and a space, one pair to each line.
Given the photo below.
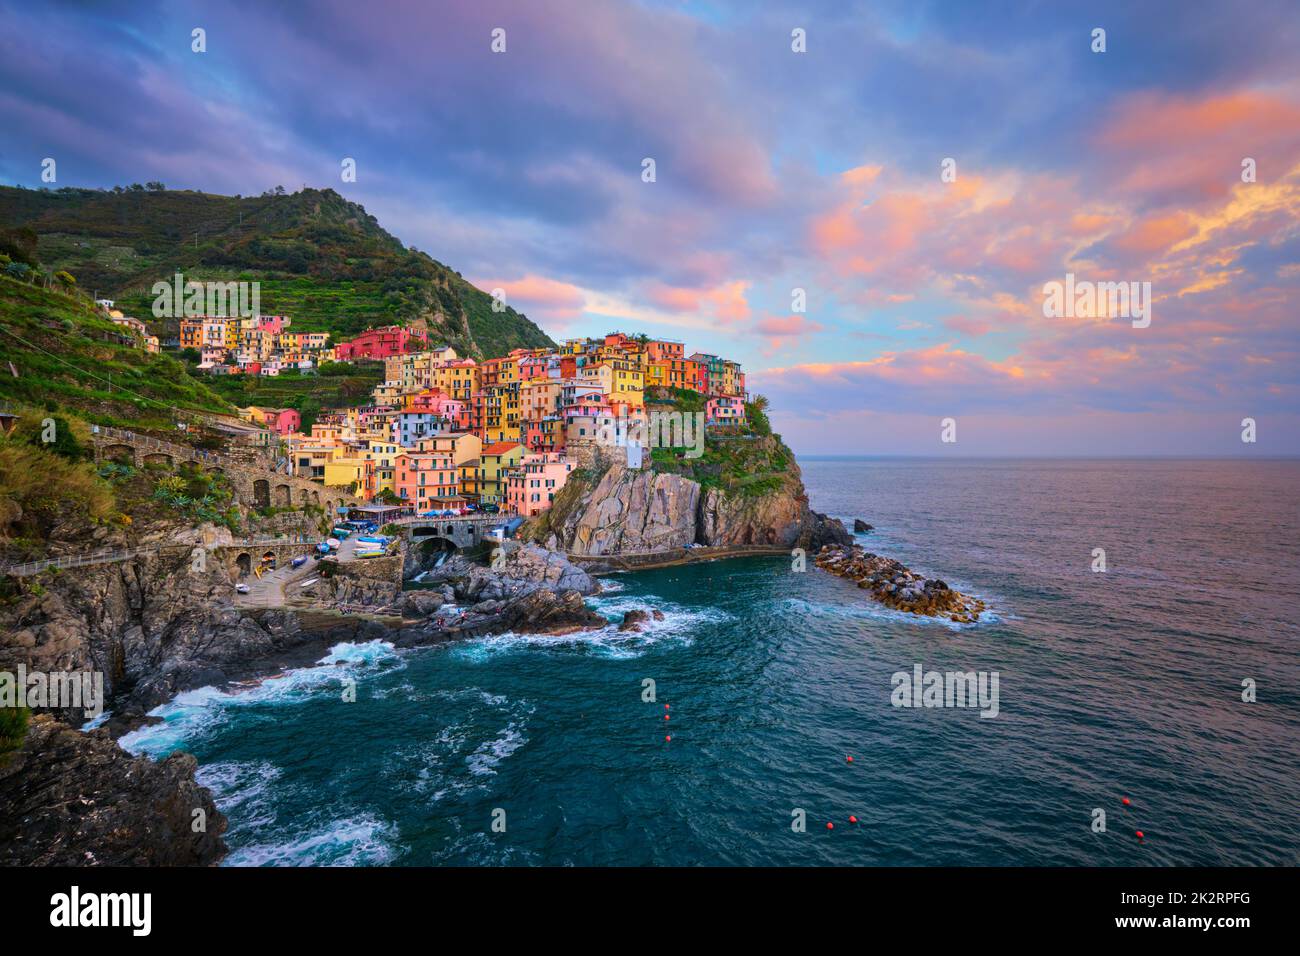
774, 171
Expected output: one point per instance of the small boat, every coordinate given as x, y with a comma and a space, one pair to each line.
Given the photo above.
299, 561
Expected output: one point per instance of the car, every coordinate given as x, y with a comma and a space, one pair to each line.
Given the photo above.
241, 588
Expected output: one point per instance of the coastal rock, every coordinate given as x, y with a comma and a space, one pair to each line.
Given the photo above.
894, 585
631, 511
860, 526
525, 568
628, 511
373, 583
153, 626
546, 612
421, 603
77, 799
633, 620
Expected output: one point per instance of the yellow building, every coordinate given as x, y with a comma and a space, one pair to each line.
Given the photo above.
497, 459
468, 471
461, 446
459, 379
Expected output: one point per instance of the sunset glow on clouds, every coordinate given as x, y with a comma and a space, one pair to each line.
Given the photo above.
775, 171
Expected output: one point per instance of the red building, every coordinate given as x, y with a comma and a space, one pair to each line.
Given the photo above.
381, 343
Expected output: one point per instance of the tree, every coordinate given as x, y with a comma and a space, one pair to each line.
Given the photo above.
66, 279
155, 187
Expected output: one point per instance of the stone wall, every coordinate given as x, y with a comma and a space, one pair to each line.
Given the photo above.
253, 486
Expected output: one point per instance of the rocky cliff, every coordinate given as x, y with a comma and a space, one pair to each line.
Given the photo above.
750, 495
153, 626
77, 799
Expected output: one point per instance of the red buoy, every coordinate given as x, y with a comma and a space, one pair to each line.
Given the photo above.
830, 826
668, 738
1126, 801
853, 819
850, 758
665, 716
665, 706
1140, 834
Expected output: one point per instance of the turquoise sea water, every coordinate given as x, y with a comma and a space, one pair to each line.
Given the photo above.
1123, 683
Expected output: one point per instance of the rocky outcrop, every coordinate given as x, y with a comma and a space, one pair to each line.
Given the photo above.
372, 583
636, 618
860, 526
77, 799
520, 569
636, 512
546, 612
894, 585
628, 512
539, 611
153, 626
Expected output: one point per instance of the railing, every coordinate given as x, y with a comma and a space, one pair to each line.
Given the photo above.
108, 556
157, 444
461, 520
81, 560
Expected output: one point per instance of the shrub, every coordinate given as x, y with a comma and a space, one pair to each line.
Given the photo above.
13, 728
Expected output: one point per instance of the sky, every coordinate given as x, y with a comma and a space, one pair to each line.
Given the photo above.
779, 175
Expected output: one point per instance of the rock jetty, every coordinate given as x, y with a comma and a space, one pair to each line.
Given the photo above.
896, 586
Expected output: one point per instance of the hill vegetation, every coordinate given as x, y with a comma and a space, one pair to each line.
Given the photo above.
318, 257
58, 354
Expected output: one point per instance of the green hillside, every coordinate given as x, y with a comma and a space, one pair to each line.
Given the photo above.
58, 354
320, 259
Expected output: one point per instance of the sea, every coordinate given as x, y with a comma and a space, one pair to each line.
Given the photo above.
1141, 626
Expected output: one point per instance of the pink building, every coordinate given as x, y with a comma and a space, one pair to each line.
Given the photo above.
436, 401
427, 480
283, 421
724, 410
532, 487
274, 324
381, 343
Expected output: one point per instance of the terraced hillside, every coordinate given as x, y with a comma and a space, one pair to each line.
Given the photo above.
319, 258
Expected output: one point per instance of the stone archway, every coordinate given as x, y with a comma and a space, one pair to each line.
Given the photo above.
244, 563
315, 497
159, 458
261, 493
119, 453
283, 496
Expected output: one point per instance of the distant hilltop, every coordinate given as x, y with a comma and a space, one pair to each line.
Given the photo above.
316, 256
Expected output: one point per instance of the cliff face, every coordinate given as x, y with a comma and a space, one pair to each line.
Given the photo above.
74, 799
628, 512
153, 626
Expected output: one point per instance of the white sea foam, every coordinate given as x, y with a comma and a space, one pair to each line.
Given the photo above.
678, 624
360, 840
873, 610
198, 712
489, 754
97, 721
